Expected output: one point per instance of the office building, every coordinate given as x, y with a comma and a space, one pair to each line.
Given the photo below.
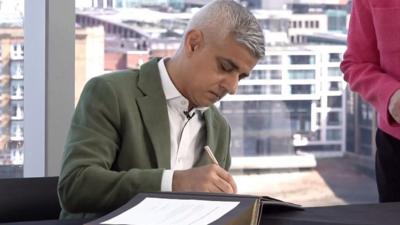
160, 4
11, 100
293, 101
89, 61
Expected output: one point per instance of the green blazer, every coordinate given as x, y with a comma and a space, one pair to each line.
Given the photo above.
119, 142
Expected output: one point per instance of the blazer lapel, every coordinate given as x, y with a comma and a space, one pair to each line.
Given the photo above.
153, 108
212, 131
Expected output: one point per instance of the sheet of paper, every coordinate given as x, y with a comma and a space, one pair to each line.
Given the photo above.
161, 211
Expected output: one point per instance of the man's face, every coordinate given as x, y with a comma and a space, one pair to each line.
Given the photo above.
215, 70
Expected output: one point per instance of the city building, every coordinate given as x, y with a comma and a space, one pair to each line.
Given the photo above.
160, 4
361, 125
129, 41
11, 99
89, 62
293, 101
89, 55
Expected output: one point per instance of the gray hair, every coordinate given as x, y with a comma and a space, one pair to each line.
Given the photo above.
228, 17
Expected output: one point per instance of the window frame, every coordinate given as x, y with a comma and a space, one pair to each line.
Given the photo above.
49, 28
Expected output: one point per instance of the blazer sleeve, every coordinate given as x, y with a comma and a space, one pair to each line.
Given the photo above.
87, 184
361, 63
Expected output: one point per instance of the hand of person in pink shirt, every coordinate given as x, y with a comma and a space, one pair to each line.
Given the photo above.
394, 106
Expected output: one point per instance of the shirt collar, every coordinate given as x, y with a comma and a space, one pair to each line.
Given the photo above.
169, 88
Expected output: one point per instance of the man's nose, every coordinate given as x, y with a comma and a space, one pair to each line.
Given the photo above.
230, 83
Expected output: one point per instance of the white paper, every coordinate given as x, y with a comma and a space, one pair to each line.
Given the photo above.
161, 211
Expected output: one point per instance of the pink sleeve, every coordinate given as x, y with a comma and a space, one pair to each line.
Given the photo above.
361, 63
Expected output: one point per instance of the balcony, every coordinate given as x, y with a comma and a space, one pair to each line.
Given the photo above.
17, 52
17, 70
18, 115
18, 135
18, 94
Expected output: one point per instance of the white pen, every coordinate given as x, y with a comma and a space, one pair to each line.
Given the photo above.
210, 155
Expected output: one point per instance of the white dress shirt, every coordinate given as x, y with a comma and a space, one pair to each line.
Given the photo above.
187, 131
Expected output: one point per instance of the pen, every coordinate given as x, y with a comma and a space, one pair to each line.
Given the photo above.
210, 155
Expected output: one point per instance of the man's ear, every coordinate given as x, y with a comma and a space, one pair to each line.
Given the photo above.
193, 41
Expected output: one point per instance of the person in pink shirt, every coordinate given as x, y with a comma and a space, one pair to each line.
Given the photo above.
371, 66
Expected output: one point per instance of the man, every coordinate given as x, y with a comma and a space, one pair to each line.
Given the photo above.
145, 130
371, 67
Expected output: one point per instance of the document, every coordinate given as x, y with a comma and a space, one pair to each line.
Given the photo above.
193, 208
160, 211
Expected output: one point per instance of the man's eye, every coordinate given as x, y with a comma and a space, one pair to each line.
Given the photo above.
225, 68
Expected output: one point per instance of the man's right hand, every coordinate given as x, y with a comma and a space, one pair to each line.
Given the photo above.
209, 178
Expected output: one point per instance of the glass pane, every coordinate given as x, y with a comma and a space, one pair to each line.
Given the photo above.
293, 100
11, 88
334, 101
301, 74
301, 59
271, 59
334, 118
335, 86
334, 71
333, 134
265, 75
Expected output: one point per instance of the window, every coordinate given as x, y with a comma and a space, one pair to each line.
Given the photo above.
251, 89
11, 89
333, 134
335, 86
334, 101
366, 113
258, 74
17, 68
302, 59
301, 74
302, 89
337, 20
318, 103
271, 60
300, 116
365, 141
334, 119
275, 89
258, 89
293, 99
17, 89
274, 74
17, 110
335, 57
292, 39
334, 72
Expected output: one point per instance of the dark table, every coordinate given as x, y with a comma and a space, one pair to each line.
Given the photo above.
362, 214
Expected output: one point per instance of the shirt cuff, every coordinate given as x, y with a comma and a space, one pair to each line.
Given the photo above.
166, 180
